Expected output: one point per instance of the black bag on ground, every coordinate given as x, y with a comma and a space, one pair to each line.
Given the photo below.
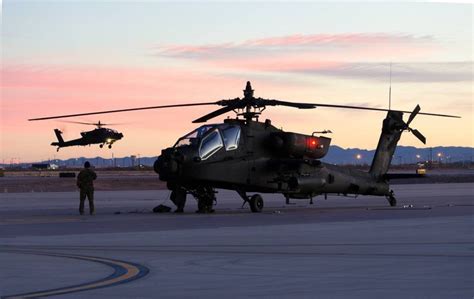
161, 209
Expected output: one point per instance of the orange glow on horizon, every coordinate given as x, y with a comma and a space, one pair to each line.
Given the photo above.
32, 91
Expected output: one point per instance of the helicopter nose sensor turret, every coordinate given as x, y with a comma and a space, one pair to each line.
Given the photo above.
166, 165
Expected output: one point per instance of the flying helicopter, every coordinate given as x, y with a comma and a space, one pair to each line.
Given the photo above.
100, 135
249, 156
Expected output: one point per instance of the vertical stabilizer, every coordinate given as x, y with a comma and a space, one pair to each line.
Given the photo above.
58, 135
393, 126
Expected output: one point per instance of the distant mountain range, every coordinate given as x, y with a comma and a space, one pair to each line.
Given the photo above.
403, 155
336, 155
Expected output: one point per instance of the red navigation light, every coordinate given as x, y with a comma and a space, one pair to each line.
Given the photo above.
311, 143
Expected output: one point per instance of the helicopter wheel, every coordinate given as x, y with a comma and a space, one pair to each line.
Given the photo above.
110, 145
256, 203
392, 200
101, 145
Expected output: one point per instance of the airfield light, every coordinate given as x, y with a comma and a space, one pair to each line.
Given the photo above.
358, 156
418, 156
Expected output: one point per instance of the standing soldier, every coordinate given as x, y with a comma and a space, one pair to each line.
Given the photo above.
85, 182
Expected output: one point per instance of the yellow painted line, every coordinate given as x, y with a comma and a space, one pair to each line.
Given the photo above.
124, 272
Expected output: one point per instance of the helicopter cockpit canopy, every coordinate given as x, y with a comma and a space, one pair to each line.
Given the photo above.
193, 137
112, 131
211, 138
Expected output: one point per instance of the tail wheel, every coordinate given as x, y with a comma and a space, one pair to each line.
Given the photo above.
256, 203
392, 201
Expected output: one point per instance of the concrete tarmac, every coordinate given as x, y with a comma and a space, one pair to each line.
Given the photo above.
335, 248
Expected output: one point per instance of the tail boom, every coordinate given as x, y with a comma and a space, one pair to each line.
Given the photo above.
60, 138
393, 126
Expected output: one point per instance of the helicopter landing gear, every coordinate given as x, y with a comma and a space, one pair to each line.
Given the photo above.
255, 201
101, 145
287, 199
391, 199
110, 145
206, 198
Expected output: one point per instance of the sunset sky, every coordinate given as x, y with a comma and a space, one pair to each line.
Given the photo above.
68, 57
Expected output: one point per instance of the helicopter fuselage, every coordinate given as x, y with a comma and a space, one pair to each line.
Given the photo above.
250, 156
97, 136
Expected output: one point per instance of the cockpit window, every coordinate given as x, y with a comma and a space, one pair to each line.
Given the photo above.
231, 137
193, 137
210, 144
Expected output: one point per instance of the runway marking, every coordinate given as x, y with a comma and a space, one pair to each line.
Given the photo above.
124, 272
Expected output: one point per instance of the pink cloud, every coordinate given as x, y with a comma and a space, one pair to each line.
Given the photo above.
341, 39
326, 54
297, 43
354, 55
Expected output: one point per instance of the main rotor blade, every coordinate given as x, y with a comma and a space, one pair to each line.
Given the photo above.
419, 136
77, 122
413, 114
289, 104
215, 113
122, 110
92, 124
372, 109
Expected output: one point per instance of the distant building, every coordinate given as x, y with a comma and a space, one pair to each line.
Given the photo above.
43, 166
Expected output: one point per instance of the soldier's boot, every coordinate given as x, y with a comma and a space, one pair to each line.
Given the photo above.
81, 207
178, 197
209, 208
91, 207
200, 207
205, 205
179, 208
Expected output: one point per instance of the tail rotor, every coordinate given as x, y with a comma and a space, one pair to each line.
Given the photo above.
415, 131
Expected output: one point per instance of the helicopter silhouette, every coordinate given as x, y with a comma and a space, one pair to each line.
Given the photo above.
249, 156
100, 135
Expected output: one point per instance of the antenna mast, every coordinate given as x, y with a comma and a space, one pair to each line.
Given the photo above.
390, 89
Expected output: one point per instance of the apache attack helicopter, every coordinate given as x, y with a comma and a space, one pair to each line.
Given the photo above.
99, 135
249, 156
